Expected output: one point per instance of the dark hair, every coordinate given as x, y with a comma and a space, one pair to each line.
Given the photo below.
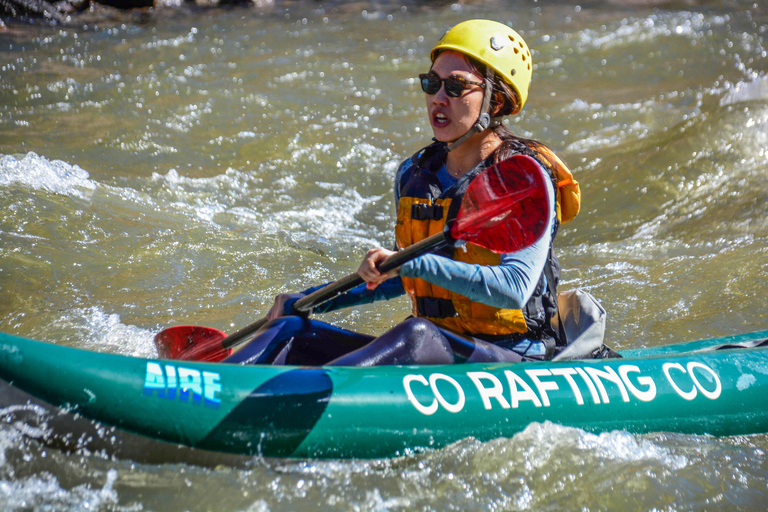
505, 101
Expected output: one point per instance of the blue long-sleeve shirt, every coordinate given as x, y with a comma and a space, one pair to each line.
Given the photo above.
508, 285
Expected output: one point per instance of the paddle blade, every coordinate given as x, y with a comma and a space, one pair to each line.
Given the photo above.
191, 343
506, 207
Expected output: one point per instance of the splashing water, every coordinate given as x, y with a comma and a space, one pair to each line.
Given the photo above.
187, 169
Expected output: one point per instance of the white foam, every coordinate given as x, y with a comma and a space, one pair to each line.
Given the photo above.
332, 217
38, 173
14, 430
203, 197
623, 446
44, 492
650, 28
218, 199
547, 438
108, 332
41, 491
755, 89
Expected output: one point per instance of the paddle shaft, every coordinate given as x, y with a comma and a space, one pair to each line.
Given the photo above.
304, 305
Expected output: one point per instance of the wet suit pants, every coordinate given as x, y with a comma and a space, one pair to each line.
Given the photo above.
297, 340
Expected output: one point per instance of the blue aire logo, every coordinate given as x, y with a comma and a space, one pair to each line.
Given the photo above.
183, 384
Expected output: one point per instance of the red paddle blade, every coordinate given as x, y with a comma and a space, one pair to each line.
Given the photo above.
506, 207
191, 343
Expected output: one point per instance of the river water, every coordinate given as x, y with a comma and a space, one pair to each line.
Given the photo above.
186, 165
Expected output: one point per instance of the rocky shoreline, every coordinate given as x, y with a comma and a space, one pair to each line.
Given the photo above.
64, 12
61, 11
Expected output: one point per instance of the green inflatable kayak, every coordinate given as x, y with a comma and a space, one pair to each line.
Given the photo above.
119, 404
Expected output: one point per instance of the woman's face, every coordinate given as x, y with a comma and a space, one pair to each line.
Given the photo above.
453, 117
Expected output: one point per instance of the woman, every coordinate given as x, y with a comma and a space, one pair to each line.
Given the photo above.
471, 304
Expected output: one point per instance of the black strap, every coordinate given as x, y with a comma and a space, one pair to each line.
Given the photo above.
560, 336
423, 211
435, 308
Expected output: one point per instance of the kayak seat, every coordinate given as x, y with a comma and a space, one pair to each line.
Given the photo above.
581, 320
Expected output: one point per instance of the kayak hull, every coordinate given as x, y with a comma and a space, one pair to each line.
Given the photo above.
339, 412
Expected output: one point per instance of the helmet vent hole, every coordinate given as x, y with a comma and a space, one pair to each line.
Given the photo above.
517, 51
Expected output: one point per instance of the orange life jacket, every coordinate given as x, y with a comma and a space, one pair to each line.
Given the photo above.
423, 210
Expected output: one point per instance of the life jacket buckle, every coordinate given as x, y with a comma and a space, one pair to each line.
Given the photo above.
423, 211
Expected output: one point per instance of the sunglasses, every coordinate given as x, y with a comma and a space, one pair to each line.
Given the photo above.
454, 85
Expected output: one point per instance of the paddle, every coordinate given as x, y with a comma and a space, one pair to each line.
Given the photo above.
505, 209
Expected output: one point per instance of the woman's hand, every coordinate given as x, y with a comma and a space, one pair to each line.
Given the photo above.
278, 308
369, 270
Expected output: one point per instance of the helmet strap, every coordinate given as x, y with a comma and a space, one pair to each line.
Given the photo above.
484, 120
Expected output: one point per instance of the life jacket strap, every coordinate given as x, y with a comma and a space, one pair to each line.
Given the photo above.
484, 120
435, 308
423, 211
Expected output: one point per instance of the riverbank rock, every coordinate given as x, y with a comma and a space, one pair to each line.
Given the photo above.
60, 11
127, 4
32, 9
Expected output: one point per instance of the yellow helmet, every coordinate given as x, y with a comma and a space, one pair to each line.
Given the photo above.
495, 45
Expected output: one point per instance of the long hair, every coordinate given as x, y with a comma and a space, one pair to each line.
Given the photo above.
504, 101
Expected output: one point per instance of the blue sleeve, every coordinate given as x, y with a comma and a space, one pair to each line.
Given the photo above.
508, 285
389, 289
